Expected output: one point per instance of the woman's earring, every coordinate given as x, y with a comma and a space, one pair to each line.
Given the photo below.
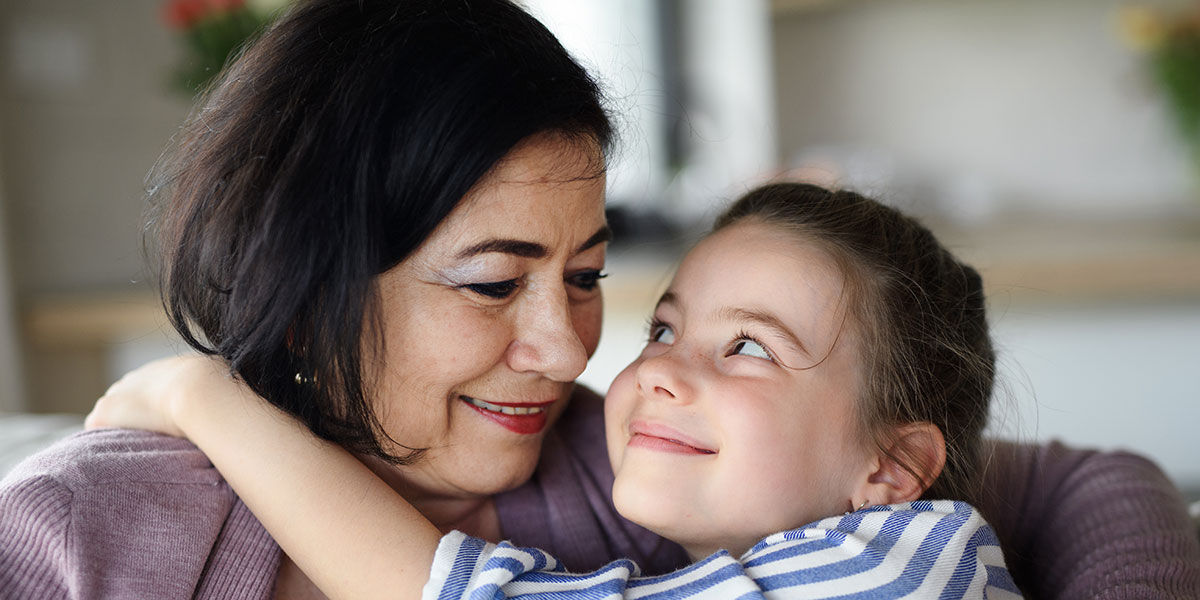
860, 507
302, 380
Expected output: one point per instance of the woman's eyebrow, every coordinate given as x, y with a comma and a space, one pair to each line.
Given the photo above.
767, 320
520, 248
604, 234
526, 249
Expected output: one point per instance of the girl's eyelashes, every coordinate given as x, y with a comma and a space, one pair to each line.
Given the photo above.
743, 344
587, 280
747, 345
497, 290
660, 332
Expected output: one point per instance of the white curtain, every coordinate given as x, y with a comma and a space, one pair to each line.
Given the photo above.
617, 41
721, 55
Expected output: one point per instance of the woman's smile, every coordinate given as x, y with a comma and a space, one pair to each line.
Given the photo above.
517, 417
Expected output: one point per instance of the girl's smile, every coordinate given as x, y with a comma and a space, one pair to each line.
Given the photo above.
738, 419
663, 438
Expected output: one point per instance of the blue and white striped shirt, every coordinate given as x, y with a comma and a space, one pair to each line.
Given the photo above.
924, 549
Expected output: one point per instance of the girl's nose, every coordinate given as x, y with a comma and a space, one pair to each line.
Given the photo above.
664, 377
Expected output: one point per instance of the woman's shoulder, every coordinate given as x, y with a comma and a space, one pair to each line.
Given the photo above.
104, 457
127, 514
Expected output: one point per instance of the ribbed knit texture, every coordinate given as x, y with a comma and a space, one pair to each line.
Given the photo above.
1079, 524
116, 514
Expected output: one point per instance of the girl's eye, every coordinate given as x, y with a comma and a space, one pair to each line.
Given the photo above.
662, 333
497, 289
587, 280
750, 347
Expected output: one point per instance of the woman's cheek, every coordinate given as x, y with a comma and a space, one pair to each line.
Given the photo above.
588, 320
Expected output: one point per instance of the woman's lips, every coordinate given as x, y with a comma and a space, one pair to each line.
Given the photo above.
665, 439
517, 417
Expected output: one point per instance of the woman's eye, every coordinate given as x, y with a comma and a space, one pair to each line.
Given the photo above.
750, 348
587, 280
662, 333
496, 289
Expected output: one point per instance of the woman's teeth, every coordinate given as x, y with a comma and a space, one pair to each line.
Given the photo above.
507, 410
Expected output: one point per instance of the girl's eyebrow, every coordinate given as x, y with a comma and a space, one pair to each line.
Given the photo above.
764, 319
743, 315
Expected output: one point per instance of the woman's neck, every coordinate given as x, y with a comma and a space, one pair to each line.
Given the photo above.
473, 515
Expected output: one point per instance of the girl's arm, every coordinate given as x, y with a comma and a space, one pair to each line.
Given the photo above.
346, 529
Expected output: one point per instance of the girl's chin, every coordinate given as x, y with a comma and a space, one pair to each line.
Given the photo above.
650, 507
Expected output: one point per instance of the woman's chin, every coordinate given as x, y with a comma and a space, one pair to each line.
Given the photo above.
460, 476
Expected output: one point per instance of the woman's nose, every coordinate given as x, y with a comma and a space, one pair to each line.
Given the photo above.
662, 377
546, 341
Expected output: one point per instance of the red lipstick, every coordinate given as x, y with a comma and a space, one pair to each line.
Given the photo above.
518, 417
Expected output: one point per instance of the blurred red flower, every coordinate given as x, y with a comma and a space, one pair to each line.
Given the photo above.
212, 31
184, 14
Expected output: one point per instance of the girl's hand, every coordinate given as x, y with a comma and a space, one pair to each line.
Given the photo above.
149, 396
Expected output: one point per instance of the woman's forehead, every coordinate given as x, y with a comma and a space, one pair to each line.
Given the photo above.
547, 158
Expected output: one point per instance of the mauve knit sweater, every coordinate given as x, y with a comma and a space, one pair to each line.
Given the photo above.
121, 514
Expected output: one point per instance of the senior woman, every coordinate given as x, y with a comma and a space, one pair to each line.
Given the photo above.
388, 219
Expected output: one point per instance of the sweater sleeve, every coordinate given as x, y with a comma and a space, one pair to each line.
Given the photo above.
1087, 524
34, 517
118, 514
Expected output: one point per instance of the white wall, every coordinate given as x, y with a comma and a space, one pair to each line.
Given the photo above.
86, 110
1116, 376
1032, 104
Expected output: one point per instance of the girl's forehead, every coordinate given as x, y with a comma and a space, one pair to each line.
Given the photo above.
757, 268
758, 253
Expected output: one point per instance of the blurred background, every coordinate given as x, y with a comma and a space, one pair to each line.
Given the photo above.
1051, 143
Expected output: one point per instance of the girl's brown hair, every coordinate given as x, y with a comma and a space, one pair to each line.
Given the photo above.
926, 351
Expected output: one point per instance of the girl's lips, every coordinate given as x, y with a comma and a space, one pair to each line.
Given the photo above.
518, 417
653, 436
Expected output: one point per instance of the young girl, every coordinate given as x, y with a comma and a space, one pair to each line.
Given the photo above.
804, 420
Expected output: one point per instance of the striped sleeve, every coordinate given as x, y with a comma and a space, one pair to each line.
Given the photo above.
939, 549
924, 549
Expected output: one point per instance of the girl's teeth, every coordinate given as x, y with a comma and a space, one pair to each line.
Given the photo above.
507, 410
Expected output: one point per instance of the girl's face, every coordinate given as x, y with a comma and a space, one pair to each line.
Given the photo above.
738, 420
489, 322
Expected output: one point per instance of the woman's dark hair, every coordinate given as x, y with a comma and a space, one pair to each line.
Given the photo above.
920, 316
324, 156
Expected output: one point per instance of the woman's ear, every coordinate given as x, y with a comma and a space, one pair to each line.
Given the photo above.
901, 473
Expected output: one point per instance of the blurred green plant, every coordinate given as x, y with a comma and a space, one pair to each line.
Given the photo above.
1170, 41
212, 32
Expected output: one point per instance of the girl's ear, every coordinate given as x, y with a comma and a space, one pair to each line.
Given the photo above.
906, 469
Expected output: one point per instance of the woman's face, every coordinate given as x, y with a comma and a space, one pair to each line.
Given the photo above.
489, 322
738, 418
